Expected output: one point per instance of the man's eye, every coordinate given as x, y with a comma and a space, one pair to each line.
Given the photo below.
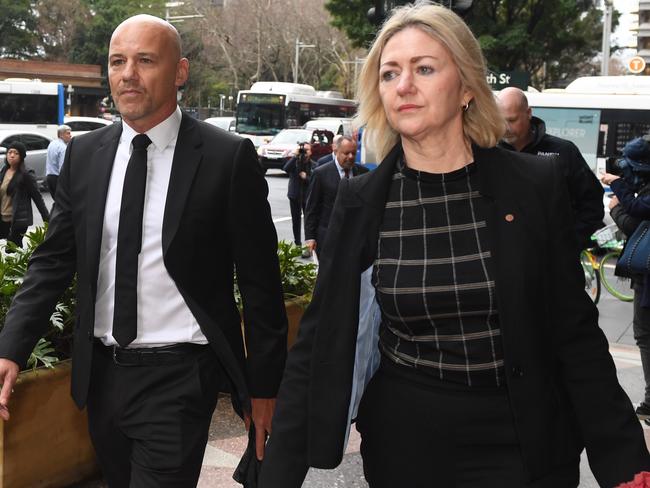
117, 62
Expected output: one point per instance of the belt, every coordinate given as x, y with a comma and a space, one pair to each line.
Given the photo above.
153, 356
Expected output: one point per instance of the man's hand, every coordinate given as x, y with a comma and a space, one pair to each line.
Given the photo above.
302, 175
613, 202
311, 245
8, 374
263, 409
607, 178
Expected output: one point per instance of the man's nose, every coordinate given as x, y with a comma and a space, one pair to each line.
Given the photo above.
129, 72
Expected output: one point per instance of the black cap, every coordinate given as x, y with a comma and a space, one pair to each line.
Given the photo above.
20, 147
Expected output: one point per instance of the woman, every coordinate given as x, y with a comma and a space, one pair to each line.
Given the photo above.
449, 302
17, 190
629, 206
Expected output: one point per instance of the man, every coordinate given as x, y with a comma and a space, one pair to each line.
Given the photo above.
328, 158
152, 215
322, 192
299, 169
526, 133
55, 155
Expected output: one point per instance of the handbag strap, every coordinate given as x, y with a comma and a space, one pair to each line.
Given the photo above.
635, 245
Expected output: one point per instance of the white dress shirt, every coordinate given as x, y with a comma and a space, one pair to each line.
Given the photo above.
163, 316
340, 168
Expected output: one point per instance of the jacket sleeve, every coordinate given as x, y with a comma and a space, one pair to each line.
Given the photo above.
605, 417
290, 166
586, 194
254, 245
314, 206
635, 206
50, 271
35, 195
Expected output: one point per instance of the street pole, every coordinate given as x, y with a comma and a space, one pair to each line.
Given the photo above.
299, 45
607, 30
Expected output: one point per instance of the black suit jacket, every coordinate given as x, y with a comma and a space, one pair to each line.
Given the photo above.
328, 158
322, 193
561, 379
216, 218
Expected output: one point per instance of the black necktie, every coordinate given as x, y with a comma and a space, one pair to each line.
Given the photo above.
129, 243
346, 172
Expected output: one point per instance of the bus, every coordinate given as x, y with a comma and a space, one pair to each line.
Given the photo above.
600, 114
31, 105
268, 107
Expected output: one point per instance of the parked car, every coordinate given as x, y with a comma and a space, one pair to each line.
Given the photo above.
36, 145
336, 125
280, 149
225, 123
81, 125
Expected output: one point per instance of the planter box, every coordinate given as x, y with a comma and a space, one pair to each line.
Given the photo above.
295, 308
46, 441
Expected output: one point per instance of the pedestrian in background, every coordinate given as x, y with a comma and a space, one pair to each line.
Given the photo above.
299, 169
328, 158
526, 133
628, 207
55, 156
449, 317
18, 188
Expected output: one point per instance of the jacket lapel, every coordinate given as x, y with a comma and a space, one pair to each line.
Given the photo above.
101, 163
187, 157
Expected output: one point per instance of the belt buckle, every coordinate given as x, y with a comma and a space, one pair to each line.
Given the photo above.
114, 349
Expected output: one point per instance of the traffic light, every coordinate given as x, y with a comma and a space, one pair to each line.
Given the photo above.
377, 14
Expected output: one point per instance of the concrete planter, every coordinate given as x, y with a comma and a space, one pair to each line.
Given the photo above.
46, 441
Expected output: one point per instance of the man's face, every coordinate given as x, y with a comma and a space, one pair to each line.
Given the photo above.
66, 136
518, 122
346, 153
144, 72
307, 150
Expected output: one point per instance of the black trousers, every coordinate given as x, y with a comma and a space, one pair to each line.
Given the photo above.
419, 436
297, 206
51, 184
13, 233
149, 423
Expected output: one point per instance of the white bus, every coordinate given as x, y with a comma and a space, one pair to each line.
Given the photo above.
31, 105
268, 107
599, 114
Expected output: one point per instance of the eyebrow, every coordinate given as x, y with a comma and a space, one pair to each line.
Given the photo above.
414, 59
118, 54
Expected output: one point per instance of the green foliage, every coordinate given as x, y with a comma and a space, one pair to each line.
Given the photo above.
56, 343
298, 278
17, 29
351, 17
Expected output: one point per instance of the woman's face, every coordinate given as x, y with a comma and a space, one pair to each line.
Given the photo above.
419, 85
13, 158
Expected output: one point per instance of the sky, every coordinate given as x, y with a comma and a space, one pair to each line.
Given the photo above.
622, 35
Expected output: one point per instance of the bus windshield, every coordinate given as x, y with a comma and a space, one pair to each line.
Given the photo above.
23, 108
259, 119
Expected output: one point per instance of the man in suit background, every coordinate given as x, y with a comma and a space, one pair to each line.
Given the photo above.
153, 215
328, 158
322, 191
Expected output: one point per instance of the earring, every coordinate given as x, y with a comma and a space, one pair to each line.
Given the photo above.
466, 106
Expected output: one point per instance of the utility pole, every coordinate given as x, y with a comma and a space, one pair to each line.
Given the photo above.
299, 46
607, 31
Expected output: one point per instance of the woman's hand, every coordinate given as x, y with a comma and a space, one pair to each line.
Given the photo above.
613, 202
607, 178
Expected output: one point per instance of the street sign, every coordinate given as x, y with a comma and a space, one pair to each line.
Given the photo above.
499, 80
636, 65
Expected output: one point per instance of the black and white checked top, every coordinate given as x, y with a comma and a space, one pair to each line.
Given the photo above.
433, 279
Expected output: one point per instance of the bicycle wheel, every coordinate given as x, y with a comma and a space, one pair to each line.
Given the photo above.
592, 278
616, 285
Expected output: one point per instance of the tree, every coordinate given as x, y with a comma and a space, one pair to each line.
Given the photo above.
552, 40
18, 38
58, 24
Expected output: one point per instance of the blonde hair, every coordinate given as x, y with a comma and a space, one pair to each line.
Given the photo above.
482, 121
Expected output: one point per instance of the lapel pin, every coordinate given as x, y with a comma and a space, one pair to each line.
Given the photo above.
509, 217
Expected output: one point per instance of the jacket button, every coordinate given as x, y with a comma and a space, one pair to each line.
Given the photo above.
517, 372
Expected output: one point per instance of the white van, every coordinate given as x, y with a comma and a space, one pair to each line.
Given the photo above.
336, 125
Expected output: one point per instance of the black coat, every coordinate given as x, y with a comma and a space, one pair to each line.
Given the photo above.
216, 218
23, 189
585, 191
297, 187
322, 192
561, 380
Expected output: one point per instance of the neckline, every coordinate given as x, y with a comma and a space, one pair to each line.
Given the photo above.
418, 175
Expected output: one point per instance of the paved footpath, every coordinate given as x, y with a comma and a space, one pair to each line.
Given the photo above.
227, 439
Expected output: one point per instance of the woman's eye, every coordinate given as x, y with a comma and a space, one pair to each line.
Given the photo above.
425, 70
388, 75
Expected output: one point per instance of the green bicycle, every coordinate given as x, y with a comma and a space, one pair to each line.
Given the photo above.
600, 272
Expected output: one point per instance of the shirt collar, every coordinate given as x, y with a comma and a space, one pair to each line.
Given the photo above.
338, 166
161, 135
